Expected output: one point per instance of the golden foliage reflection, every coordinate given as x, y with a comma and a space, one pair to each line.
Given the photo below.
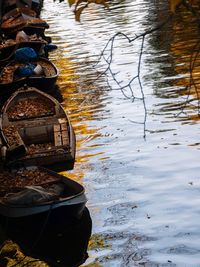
184, 49
175, 3
81, 108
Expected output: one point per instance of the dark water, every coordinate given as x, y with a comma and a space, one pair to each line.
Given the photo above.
143, 194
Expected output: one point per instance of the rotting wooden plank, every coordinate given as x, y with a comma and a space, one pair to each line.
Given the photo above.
57, 135
57, 139
56, 128
65, 138
63, 127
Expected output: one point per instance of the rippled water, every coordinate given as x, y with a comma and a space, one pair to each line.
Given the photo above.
143, 194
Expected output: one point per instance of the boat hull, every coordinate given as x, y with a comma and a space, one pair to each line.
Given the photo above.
43, 83
17, 19
72, 200
73, 207
7, 54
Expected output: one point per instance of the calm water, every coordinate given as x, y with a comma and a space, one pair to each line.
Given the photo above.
143, 194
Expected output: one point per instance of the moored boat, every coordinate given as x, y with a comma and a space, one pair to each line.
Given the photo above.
9, 46
17, 12
34, 190
35, 130
19, 21
35, 5
45, 81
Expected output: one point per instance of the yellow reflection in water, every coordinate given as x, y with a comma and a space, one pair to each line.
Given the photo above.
185, 48
97, 242
95, 264
81, 110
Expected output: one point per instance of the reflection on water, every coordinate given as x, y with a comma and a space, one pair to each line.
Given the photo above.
143, 194
180, 79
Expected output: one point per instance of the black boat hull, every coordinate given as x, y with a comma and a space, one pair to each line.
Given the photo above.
45, 84
73, 208
72, 201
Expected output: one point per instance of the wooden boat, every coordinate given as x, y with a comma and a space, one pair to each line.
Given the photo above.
34, 190
35, 130
17, 12
20, 21
9, 82
30, 30
33, 29
35, 5
36, 44
8, 47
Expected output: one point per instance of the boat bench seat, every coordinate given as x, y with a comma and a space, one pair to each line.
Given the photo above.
61, 137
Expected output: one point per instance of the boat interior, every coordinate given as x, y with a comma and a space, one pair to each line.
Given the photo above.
43, 131
8, 72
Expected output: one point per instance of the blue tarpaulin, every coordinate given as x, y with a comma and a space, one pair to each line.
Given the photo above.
25, 70
25, 54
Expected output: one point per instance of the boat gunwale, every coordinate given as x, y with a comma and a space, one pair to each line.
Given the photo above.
50, 203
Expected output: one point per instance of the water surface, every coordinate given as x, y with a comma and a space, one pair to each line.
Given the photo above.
143, 193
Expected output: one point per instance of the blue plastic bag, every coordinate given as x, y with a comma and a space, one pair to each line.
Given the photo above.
25, 70
25, 54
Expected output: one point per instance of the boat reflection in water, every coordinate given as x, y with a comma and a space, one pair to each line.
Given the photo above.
52, 236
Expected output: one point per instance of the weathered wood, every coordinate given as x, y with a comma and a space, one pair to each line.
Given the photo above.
61, 137
57, 139
65, 138
64, 126
56, 127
